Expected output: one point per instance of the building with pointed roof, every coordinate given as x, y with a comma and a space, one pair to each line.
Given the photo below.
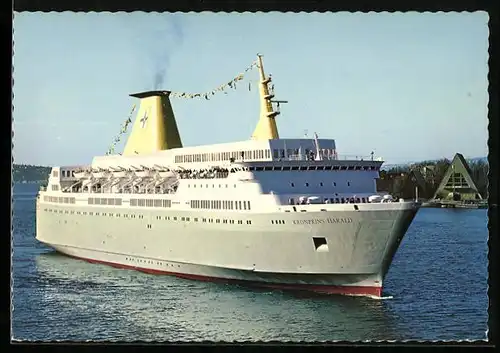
457, 183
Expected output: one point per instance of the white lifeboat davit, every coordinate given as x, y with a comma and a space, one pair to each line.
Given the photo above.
142, 173
167, 174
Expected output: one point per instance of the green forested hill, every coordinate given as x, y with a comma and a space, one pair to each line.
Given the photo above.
29, 173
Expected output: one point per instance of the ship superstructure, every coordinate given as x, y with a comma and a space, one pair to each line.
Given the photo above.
276, 212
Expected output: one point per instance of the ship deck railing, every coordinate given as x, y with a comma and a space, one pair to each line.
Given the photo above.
312, 157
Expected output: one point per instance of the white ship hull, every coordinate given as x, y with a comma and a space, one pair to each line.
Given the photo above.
269, 249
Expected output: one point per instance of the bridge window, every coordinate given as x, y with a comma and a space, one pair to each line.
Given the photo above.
348, 183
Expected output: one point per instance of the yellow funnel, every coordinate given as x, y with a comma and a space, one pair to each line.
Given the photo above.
154, 127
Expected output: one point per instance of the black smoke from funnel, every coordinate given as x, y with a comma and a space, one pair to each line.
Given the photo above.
155, 38
170, 37
158, 80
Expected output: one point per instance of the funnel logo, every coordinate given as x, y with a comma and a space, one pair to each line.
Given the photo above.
144, 118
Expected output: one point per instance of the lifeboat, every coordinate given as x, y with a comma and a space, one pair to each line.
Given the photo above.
99, 173
82, 174
375, 199
387, 198
313, 200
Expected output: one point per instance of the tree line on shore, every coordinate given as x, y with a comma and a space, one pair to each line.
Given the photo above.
478, 170
30, 173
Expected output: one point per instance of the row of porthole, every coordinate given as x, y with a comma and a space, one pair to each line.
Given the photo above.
205, 220
167, 218
320, 184
150, 262
206, 185
85, 213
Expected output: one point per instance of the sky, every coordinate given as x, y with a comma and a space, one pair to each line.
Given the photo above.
408, 86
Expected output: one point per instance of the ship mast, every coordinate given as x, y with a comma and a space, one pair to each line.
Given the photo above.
266, 128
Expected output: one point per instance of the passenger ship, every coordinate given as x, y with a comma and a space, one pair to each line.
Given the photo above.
270, 211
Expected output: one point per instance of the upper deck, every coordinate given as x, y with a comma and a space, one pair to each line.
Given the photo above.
278, 150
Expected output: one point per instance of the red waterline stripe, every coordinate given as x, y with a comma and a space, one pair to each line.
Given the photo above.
347, 290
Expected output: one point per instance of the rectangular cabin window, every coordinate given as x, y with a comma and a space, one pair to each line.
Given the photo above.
111, 201
133, 202
248, 205
55, 173
91, 201
232, 205
239, 205
276, 153
118, 202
